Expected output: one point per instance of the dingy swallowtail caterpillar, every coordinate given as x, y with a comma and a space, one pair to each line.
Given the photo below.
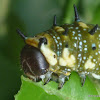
61, 50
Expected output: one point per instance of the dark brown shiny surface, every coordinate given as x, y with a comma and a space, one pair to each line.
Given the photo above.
33, 62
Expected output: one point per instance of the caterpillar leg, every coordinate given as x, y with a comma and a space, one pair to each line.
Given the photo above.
48, 76
61, 81
83, 78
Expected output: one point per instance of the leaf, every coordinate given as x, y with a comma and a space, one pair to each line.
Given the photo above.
72, 90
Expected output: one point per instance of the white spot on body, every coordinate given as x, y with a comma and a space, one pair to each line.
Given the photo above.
80, 46
73, 32
99, 45
79, 55
97, 68
77, 28
84, 41
85, 48
79, 34
99, 52
84, 29
74, 44
76, 38
56, 41
94, 60
84, 58
80, 43
58, 38
96, 53
80, 49
60, 43
83, 61
68, 69
54, 37
80, 59
79, 31
79, 38
71, 27
57, 45
58, 52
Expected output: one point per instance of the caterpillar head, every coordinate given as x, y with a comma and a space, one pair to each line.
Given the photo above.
32, 60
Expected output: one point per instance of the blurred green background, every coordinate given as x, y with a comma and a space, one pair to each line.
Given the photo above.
32, 17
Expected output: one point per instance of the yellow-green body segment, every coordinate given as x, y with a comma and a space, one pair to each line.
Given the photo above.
72, 51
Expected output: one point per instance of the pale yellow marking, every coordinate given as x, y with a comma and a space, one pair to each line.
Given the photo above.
83, 25
62, 62
60, 72
96, 76
54, 68
59, 29
32, 41
89, 64
49, 54
67, 59
67, 73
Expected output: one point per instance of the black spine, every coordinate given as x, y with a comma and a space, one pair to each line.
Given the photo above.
76, 13
21, 34
93, 29
65, 32
55, 21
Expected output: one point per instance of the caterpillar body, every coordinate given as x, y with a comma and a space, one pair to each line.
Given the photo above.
61, 50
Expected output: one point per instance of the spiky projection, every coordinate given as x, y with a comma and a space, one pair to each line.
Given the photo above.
54, 21
94, 29
76, 14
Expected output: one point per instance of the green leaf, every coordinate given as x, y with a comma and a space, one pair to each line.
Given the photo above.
72, 90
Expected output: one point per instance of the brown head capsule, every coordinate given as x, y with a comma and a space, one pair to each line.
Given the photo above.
32, 60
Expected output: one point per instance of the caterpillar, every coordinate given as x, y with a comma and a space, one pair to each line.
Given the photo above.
54, 54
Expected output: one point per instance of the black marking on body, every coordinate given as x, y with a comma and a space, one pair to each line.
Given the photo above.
65, 32
66, 46
93, 30
42, 40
